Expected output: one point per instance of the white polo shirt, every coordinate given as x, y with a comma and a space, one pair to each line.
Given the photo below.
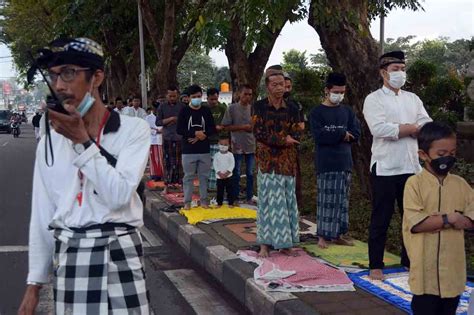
108, 193
384, 111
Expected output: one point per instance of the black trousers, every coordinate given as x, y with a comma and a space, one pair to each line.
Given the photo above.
225, 185
428, 304
386, 190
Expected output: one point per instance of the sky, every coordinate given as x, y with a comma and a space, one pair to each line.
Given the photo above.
453, 19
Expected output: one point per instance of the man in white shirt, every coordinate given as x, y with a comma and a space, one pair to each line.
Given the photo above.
156, 152
85, 208
119, 106
135, 110
394, 117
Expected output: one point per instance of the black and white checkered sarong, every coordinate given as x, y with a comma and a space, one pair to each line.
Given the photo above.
99, 270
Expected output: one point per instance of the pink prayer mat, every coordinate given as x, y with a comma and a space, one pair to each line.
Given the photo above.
301, 273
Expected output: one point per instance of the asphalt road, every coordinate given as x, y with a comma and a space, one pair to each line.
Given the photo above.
175, 285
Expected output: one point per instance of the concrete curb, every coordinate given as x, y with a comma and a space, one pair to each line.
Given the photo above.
233, 273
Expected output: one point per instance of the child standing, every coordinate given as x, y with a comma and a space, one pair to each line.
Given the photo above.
438, 208
223, 165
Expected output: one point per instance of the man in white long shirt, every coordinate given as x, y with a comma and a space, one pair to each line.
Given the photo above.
135, 110
394, 117
85, 208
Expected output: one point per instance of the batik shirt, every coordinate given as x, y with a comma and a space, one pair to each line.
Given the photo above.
271, 126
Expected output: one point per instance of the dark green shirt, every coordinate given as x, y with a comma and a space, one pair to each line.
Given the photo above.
217, 112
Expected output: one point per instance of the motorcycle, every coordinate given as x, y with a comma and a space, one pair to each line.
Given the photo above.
15, 127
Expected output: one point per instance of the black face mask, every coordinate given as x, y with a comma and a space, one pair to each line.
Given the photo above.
443, 165
286, 94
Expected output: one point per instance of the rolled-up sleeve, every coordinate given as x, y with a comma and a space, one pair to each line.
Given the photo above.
41, 241
117, 184
375, 117
422, 116
413, 213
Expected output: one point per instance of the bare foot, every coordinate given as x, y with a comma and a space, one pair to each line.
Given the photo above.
263, 251
376, 274
322, 243
187, 206
343, 241
289, 252
231, 206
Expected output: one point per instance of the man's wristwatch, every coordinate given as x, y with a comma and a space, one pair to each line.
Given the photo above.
446, 224
79, 148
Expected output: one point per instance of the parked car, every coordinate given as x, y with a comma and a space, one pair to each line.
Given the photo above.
5, 121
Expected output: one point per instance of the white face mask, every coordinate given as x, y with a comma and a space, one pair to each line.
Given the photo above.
397, 79
336, 98
223, 148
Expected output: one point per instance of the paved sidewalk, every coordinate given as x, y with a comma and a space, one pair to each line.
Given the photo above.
213, 246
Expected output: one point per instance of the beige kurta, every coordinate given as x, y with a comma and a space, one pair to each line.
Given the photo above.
437, 260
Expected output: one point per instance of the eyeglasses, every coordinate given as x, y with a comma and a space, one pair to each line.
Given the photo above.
66, 74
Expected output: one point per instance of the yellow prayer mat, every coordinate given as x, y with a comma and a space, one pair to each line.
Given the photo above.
199, 214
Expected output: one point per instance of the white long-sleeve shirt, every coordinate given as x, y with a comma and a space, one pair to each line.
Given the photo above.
155, 131
223, 162
384, 111
108, 193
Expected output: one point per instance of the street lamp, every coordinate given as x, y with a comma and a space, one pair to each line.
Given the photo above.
192, 72
142, 59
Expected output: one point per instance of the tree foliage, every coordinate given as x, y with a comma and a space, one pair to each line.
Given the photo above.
294, 61
202, 68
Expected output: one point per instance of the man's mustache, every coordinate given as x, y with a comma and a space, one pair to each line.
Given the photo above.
64, 97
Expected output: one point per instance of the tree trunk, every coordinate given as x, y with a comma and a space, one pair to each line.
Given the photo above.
351, 50
248, 68
169, 49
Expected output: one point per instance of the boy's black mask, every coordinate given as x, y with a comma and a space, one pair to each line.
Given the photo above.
443, 165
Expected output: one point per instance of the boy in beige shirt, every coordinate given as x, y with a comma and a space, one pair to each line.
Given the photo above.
438, 207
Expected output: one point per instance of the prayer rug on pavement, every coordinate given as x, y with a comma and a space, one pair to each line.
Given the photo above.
199, 214
248, 230
177, 198
348, 256
152, 184
296, 273
395, 289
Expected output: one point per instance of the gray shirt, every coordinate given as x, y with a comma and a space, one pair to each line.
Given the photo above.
166, 110
243, 142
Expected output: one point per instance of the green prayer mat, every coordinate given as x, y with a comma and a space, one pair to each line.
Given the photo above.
349, 256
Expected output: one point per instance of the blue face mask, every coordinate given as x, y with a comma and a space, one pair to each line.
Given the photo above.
196, 102
86, 104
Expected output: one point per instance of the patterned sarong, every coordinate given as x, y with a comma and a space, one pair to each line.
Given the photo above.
99, 270
173, 166
333, 204
277, 215
156, 161
212, 175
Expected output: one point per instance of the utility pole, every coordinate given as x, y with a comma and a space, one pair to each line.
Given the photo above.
382, 25
142, 59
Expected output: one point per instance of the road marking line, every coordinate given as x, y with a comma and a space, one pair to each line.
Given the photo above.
150, 237
11, 249
203, 298
5, 144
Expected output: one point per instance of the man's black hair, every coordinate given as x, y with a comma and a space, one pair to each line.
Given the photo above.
193, 89
335, 78
244, 86
212, 91
431, 132
173, 87
118, 99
